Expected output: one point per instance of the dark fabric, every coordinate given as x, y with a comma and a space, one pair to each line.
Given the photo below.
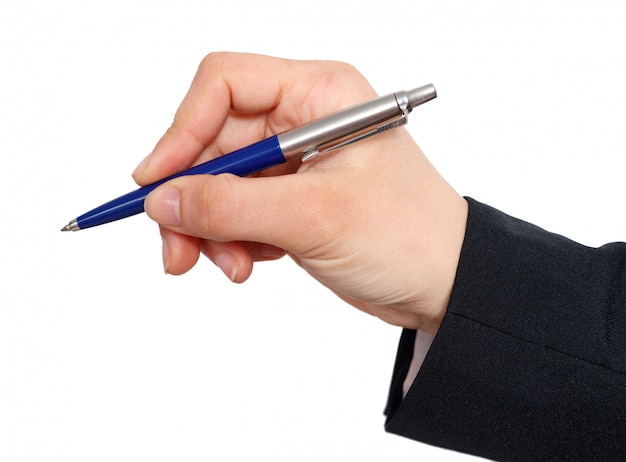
529, 363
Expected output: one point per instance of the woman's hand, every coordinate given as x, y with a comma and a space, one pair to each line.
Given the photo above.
374, 221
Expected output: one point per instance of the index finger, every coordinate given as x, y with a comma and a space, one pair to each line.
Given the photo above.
223, 82
247, 85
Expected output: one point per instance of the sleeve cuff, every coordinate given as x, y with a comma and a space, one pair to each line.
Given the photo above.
423, 341
527, 363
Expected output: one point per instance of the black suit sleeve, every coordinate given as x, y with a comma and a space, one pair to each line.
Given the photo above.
529, 363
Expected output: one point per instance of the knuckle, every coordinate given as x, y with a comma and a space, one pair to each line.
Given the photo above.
215, 62
211, 59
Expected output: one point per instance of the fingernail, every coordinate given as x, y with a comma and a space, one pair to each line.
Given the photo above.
164, 206
271, 251
166, 256
142, 164
228, 264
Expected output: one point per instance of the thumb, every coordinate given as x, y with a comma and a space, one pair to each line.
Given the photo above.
229, 208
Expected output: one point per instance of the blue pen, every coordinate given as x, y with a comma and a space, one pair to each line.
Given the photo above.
305, 142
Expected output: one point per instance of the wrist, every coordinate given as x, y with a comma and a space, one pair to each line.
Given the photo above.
445, 246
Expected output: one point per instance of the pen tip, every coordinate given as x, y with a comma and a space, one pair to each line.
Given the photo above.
71, 226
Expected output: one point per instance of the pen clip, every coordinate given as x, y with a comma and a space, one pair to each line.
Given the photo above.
400, 121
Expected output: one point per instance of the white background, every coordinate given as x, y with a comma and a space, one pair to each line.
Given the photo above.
102, 357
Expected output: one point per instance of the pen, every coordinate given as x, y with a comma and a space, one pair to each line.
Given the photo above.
305, 142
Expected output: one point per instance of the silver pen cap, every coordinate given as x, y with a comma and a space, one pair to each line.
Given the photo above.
353, 124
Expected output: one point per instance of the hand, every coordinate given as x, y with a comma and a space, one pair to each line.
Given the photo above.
374, 221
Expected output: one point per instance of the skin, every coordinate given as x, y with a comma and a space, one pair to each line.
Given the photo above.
374, 222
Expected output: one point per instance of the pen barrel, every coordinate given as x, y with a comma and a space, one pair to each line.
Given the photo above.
337, 130
243, 162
